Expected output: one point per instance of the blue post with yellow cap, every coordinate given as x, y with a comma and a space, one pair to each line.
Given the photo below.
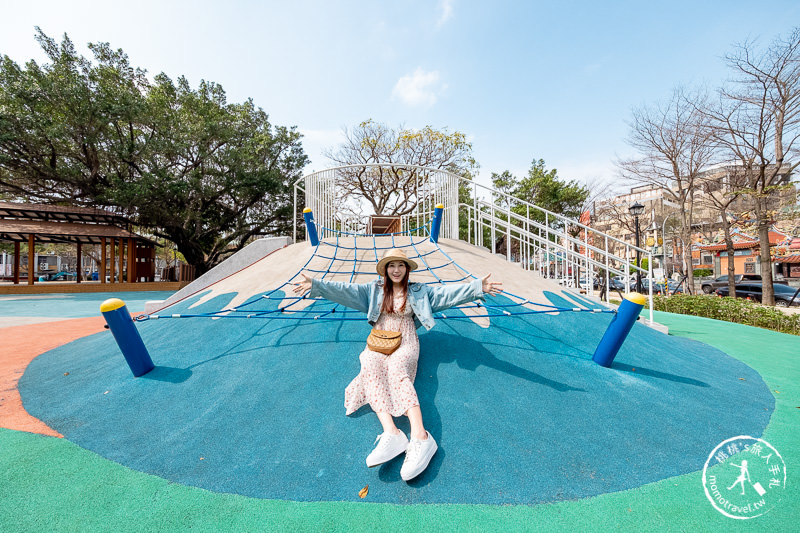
619, 328
311, 226
127, 336
436, 225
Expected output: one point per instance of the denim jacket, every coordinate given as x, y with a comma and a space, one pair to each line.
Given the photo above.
425, 300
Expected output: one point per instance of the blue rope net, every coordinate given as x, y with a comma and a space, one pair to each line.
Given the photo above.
298, 308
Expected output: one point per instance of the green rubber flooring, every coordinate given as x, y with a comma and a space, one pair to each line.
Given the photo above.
49, 484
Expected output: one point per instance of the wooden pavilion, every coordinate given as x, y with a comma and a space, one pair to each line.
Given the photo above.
34, 223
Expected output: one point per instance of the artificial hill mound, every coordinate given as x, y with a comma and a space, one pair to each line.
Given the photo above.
521, 413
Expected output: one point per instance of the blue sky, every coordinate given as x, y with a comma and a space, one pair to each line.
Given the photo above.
524, 80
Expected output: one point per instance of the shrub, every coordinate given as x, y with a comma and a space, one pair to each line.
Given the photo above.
703, 272
730, 309
643, 263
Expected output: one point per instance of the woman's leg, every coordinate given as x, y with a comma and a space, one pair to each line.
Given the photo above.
415, 419
391, 443
421, 447
388, 423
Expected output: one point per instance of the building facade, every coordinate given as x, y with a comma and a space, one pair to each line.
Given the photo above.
715, 195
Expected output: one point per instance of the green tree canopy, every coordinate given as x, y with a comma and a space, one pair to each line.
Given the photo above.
543, 188
183, 162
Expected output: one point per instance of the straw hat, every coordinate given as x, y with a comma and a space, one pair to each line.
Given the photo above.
395, 254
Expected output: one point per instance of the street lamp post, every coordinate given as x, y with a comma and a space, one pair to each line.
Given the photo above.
636, 209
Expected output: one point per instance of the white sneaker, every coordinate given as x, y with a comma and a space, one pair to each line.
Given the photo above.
389, 446
418, 455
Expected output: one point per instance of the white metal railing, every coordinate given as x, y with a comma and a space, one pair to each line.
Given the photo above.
432, 187
557, 247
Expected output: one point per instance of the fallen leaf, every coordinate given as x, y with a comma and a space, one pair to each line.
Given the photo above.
202, 458
363, 492
742, 379
66, 373
777, 392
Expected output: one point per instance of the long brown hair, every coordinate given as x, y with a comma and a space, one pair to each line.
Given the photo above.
388, 291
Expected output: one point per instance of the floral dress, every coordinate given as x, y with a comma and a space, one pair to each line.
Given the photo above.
386, 382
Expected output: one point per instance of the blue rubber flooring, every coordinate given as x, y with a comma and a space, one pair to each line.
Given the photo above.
73, 305
521, 413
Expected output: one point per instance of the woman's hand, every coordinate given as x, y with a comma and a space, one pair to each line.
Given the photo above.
302, 286
492, 287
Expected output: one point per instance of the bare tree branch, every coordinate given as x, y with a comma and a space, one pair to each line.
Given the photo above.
396, 190
674, 144
757, 122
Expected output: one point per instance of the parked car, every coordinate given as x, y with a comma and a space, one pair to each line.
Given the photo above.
673, 287
658, 287
784, 295
722, 281
618, 281
616, 284
58, 276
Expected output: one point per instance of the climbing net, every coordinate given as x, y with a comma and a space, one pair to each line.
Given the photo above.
350, 257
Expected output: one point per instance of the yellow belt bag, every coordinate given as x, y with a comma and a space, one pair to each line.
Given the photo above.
384, 342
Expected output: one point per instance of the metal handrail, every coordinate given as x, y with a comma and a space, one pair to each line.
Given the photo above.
483, 214
543, 241
474, 184
489, 220
568, 237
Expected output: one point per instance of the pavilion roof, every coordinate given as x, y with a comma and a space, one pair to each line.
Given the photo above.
44, 212
63, 232
62, 224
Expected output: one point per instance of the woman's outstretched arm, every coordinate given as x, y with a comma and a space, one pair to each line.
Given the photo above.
352, 295
302, 286
446, 296
491, 287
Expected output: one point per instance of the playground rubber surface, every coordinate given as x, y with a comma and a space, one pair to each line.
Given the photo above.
256, 408
521, 420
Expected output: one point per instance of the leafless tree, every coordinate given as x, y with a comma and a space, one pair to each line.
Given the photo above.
396, 190
721, 192
757, 120
610, 214
673, 145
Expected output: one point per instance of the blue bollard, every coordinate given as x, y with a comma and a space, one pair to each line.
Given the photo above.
619, 328
311, 226
436, 225
127, 336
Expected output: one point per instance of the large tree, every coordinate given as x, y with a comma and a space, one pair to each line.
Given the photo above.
757, 121
673, 146
182, 162
542, 188
66, 127
398, 189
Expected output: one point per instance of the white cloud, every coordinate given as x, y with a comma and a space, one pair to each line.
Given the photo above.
446, 8
419, 89
597, 65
